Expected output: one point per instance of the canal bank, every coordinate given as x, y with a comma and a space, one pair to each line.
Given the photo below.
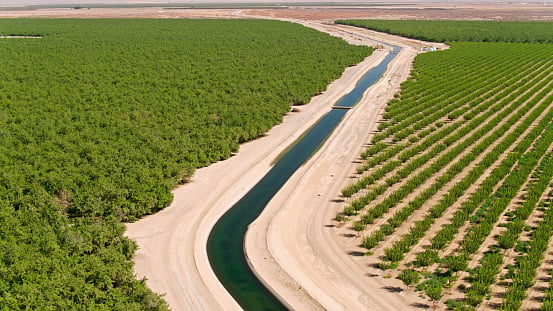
295, 246
225, 246
172, 243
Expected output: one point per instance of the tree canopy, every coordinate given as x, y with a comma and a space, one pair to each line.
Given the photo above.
473, 31
100, 119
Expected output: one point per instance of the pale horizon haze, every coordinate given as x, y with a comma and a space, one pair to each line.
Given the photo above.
15, 3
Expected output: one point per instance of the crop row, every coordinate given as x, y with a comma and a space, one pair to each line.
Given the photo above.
395, 253
380, 156
450, 157
483, 276
497, 84
446, 234
547, 223
415, 181
409, 108
381, 151
442, 31
526, 265
471, 86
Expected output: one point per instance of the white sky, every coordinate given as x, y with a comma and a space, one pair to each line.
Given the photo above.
70, 2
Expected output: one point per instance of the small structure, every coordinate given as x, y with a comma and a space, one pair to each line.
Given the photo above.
342, 107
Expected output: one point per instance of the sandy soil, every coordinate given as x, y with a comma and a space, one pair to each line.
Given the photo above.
413, 10
451, 11
172, 242
296, 232
117, 13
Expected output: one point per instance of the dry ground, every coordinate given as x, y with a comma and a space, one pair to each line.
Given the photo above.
461, 11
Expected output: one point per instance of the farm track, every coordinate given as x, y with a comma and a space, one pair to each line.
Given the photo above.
185, 275
317, 245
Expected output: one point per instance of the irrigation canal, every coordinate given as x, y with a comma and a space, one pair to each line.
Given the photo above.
225, 246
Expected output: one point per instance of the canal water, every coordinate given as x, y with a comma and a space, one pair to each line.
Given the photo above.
225, 246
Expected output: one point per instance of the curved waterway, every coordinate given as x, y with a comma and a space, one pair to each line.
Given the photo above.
225, 246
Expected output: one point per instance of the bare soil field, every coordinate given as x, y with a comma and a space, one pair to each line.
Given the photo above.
118, 13
451, 11
457, 11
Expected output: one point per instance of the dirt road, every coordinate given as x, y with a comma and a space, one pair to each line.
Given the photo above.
172, 242
296, 231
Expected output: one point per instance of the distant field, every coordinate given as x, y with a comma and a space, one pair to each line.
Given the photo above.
187, 2
454, 195
474, 31
100, 119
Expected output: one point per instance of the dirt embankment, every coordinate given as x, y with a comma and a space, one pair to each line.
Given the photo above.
294, 246
172, 242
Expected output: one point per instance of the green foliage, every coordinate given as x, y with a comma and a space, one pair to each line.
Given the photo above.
524, 273
470, 117
415, 112
474, 31
454, 304
358, 226
456, 263
340, 218
100, 119
409, 277
49, 262
426, 258
434, 291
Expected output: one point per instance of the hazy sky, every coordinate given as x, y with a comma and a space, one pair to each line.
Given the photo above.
43, 2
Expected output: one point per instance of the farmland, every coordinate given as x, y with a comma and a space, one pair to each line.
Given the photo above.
100, 119
453, 196
473, 31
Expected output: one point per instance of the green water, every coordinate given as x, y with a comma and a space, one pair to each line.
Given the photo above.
225, 246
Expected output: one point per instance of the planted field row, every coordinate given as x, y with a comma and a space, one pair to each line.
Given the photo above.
503, 85
444, 236
381, 151
478, 31
409, 160
531, 256
459, 164
395, 253
484, 275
